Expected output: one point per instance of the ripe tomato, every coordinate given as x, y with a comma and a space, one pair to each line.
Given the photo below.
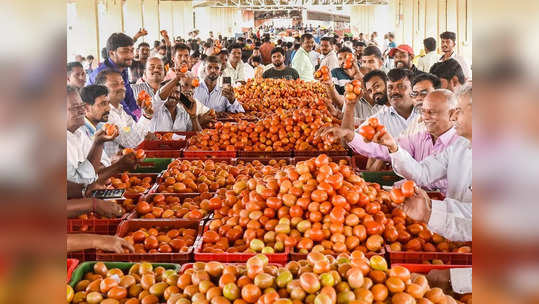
408, 188
367, 132
396, 196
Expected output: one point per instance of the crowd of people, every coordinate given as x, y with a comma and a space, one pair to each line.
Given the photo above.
424, 102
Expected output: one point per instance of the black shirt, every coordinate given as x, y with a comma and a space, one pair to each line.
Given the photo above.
287, 73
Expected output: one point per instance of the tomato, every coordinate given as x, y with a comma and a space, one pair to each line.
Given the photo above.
408, 188
367, 132
396, 196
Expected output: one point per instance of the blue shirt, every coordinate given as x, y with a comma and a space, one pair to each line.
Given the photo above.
129, 103
215, 99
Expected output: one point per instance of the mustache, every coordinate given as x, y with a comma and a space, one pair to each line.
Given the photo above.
380, 98
396, 95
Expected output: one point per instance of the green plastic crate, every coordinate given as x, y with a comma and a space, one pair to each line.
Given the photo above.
86, 267
384, 178
153, 165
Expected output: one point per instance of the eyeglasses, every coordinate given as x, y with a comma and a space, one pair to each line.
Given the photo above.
423, 93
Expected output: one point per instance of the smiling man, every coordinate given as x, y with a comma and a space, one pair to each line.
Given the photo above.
302, 62
120, 52
402, 58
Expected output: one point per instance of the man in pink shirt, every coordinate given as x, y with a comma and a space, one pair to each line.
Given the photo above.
439, 134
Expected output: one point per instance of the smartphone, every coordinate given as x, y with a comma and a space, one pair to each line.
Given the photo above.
227, 80
108, 193
185, 101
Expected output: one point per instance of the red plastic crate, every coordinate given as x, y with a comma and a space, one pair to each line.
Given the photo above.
264, 161
133, 225
187, 134
97, 226
71, 265
163, 153
417, 257
333, 158
263, 154
190, 265
295, 256
133, 215
83, 255
209, 154
162, 145
316, 153
359, 162
234, 257
426, 268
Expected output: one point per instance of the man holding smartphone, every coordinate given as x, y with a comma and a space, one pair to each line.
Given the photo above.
219, 98
169, 115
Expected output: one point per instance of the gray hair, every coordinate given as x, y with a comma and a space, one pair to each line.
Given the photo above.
449, 96
465, 90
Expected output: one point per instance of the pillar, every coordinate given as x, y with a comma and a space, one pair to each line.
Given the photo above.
150, 19
83, 35
110, 17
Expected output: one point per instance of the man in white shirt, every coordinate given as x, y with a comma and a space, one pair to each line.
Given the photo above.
131, 133
76, 76
209, 93
448, 48
170, 113
424, 63
451, 218
236, 69
150, 82
84, 155
450, 74
329, 57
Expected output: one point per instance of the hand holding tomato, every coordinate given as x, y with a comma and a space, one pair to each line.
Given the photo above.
127, 162
112, 243
335, 133
383, 138
109, 209
102, 137
418, 207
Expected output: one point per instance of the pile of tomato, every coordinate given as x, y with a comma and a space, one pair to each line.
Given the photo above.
292, 130
171, 206
131, 184
269, 95
316, 205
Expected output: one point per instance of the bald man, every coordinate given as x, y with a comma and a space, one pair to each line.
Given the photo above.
439, 134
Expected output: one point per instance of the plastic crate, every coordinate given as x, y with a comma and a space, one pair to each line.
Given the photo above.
209, 154
426, 268
234, 257
190, 265
333, 159
83, 255
417, 257
162, 145
71, 265
384, 178
134, 216
359, 162
187, 134
152, 165
264, 161
133, 225
316, 153
163, 153
295, 256
263, 154
86, 267
96, 226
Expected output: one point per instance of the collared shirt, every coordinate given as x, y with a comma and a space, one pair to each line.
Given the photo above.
451, 219
79, 169
453, 163
466, 70
215, 99
340, 79
314, 55
242, 72
415, 126
88, 132
142, 86
364, 110
330, 60
424, 63
162, 120
393, 122
129, 102
131, 133
303, 65
419, 146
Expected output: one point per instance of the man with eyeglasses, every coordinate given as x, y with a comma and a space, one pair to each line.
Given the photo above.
422, 85
438, 135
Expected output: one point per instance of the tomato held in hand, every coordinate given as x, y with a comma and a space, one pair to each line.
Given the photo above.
408, 188
367, 132
396, 196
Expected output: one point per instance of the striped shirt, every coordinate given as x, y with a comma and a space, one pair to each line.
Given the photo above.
340, 79
215, 99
